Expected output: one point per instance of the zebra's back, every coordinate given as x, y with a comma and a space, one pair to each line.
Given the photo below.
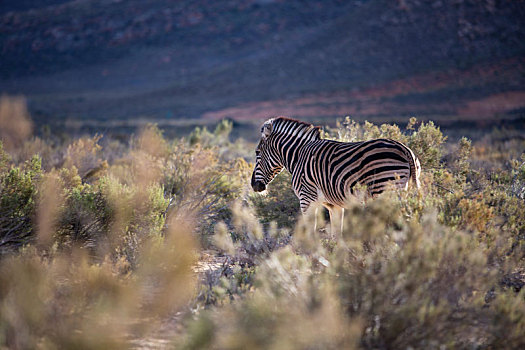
335, 168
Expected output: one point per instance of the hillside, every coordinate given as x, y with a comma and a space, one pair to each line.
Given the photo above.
98, 60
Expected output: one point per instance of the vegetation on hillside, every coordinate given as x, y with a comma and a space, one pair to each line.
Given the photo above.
114, 244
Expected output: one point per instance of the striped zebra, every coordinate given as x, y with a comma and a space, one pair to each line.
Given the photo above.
325, 171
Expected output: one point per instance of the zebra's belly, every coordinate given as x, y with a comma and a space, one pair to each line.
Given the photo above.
339, 194
329, 199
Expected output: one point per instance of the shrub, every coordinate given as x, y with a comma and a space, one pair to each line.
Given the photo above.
85, 155
18, 190
402, 283
279, 204
15, 122
63, 300
436, 268
197, 181
110, 259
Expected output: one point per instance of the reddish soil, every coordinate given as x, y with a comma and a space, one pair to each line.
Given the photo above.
385, 99
494, 104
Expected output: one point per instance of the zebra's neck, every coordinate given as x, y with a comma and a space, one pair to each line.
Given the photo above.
291, 135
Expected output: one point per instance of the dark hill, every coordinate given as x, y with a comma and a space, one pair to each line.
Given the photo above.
100, 59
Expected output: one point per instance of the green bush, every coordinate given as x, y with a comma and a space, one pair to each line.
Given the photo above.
197, 180
279, 204
18, 191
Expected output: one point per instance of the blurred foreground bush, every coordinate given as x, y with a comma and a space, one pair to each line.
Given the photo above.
64, 300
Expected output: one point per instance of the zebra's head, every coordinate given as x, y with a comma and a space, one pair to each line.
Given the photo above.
267, 161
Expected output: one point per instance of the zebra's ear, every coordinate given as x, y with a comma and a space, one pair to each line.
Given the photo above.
266, 130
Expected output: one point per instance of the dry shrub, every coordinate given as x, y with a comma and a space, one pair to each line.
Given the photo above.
66, 301
388, 282
50, 203
85, 155
199, 182
476, 215
435, 268
518, 177
15, 122
50, 157
117, 254
166, 268
66, 298
413, 281
148, 157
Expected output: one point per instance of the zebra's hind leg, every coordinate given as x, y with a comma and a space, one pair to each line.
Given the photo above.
336, 219
316, 212
342, 220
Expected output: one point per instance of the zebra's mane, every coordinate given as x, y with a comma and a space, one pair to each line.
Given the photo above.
284, 125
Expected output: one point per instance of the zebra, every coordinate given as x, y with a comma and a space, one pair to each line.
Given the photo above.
325, 171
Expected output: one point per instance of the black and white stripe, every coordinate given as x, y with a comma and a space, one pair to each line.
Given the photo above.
327, 171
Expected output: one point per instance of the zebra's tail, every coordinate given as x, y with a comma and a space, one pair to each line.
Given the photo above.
414, 165
415, 168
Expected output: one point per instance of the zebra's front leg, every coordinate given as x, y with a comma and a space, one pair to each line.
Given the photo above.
308, 209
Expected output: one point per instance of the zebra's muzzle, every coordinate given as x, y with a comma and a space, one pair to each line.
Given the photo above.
258, 186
